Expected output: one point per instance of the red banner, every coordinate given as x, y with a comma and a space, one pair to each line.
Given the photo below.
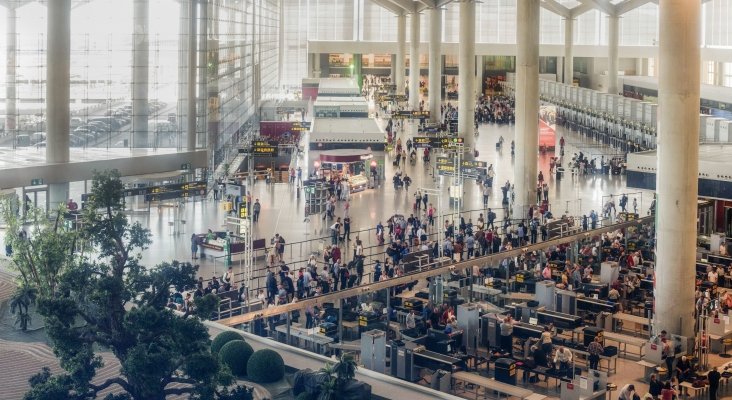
547, 136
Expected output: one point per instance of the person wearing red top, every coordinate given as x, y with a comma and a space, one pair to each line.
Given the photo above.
335, 253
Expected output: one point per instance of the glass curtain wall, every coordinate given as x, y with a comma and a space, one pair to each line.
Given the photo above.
237, 66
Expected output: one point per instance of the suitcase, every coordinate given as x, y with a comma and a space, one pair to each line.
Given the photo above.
610, 351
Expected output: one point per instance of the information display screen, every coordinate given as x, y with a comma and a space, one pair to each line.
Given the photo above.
243, 210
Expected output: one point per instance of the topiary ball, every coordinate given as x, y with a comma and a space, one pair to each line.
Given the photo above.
235, 355
223, 338
265, 366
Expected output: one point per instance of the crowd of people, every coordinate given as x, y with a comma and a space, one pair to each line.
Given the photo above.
497, 109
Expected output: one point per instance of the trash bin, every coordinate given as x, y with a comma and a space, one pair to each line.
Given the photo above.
506, 371
560, 173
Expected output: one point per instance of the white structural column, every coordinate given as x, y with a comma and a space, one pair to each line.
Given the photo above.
678, 164
434, 91
58, 79
719, 73
316, 63
568, 48
414, 63
401, 52
192, 72
202, 72
183, 34
11, 121
478, 75
613, 37
466, 74
140, 72
527, 106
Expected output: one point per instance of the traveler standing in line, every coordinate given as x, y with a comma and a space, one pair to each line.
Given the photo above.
545, 188
256, 209
595, 349
346, 228
194, 247
335, 230
714, 376
546, 340
507, 335
491, 217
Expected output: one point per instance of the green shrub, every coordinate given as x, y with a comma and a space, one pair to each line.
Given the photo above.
223, 338
265, 366
235, 355
305, 396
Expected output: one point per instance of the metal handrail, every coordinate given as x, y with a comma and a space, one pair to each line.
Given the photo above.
441, 269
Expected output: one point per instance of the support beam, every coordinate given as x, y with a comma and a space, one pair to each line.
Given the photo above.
389, 6
568, 49
581, 9
406, 5
527, 107
401, 50
629, 5
613, 37
414, 63
466, 75
58, 81
434, 88
140, 72
603, 5
556, 8
11, 118
678, 164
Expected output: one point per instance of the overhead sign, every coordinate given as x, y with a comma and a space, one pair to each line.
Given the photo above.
261, 148
37, 182
407, 114
469, 169
301, 126
429, 128
174, 190
437, 142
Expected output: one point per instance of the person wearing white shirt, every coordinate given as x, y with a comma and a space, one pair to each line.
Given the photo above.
411, 323
713, 276
563, 359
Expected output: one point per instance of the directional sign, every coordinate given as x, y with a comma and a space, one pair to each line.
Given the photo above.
437, 142
261, 148
301, 126
469, 169
243, 210
37, 182
422, 141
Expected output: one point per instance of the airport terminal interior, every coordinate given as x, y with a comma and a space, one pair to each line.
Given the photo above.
357, 199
